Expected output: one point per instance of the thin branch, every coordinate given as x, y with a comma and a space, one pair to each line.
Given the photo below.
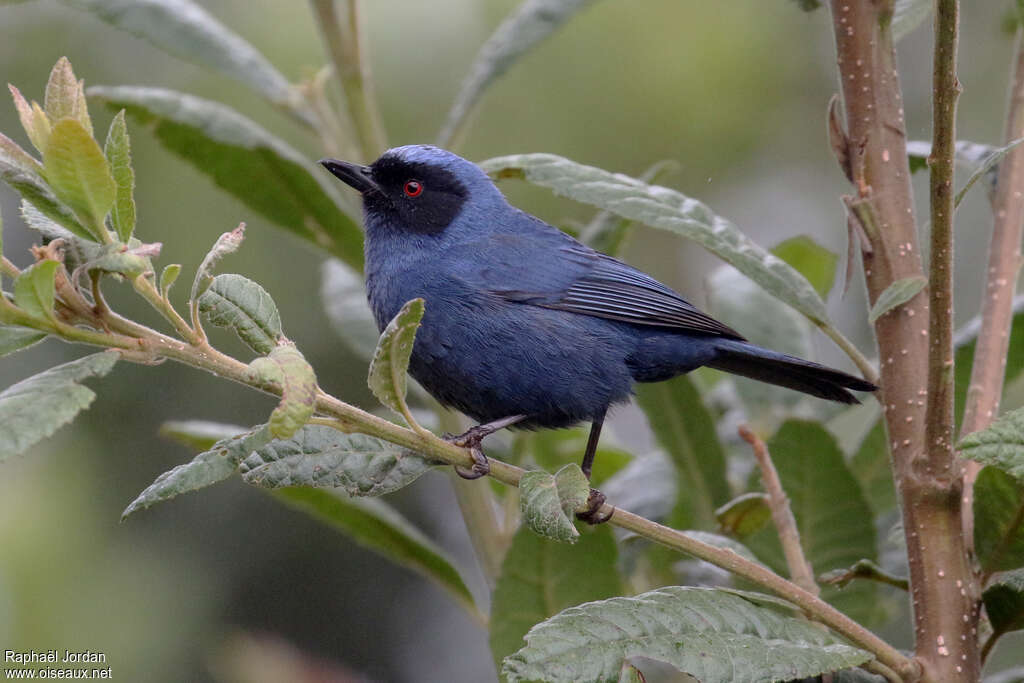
782, 515
864, 569
9, 269
866, 367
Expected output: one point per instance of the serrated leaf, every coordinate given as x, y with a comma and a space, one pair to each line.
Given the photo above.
200, 435
715, 636
241, 304
833, 517
34, 289
168, 277
870, 464
32, 118
896, 294
64, 97
542, 508
998, 520
35, 408
118, 152
1001, 444
245, 160
34, 189
667, 209
79, 173
207, 468
390, 364
343, 294
813, 261
540, 578
287, 367
1004, 602
744, 515
908, 15
227, 243
377, 526
321, 457
529, 24
13, 338
186, 30
686, 431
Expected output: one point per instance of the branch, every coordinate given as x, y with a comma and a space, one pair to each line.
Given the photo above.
782, 514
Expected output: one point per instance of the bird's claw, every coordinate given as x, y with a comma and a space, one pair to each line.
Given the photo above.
471, 439
594, 502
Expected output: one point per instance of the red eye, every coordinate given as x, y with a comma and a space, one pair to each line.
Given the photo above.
413, 188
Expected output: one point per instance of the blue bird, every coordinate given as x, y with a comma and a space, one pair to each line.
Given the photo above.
524, 325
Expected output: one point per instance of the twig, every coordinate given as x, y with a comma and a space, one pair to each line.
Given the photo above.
864, 569
782, 515
9, 269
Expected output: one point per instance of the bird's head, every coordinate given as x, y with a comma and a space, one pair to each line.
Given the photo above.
417, 188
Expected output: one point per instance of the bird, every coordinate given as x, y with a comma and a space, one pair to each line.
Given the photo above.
524, 326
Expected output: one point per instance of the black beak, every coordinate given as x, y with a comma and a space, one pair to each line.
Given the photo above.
359, 177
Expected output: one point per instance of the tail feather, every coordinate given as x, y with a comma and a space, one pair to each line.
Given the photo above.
755, 362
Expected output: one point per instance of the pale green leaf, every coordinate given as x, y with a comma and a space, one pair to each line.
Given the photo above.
118, 152
13, 338
245, 160
200, 435
1004, 602
686, 431
286, 367
744, 515
11, 153
64, 97
344, 298
667, 209
239, 303
227, 243
320, 457
998, 520
908, 15
79, 173
607, 232
34, 189
542, 508
896, 294
573, 488
539, 578
168, 277
33, 119
77, 251
529, 24
35, 408
390, 364
375, 525
984, 159
987, 165
34, 289
813, 261
646, 486
207, 468
1001, 444
716, 636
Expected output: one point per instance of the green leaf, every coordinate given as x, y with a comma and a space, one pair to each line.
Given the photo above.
835, 522
34, 189
118, 152
965, 341
529, 24
744, 515
246, 161
241, 304
870, 464
813, 261
34, 289
184, 29
686, 431
808, 5
321, 457
987, 165
998, 520
11, 153
715, 636
80, 174
667, 209
908, 15
390, 364
540, 578
33, 119
13, 338
287, 367
227, 243
984, 158
64, 96
168, 277
1001, 444
1004, 602
343, 294
547, 503
377, 526
35, 408
200, 435
896, 294
607, 232
551, 449
207, 468
646, 486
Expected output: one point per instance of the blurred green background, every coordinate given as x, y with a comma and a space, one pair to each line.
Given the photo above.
736, 92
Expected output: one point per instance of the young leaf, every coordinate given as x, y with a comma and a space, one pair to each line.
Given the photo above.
998, 520
540, 578
321, 457
744, 515
987, 165
118, 152
241, 304
896, 294
245, 160
548, 503
1001, 444
1004, 602
79, 173
200, 435
377, 526
14, 338
715, 636
207, 468
667, 209
344, 297
686, 431
11, 153
34, 189
77, 251
287, 367
64, 97
390, 364
529, 24
33, 119
35, 408
34, 289
813, 261
168, 277
227, 243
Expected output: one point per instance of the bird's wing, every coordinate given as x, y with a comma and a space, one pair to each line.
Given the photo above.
550, 269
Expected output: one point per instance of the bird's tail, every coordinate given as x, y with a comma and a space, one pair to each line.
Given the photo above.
749, 360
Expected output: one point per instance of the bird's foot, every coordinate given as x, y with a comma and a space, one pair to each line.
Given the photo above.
595, 500
471, 439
